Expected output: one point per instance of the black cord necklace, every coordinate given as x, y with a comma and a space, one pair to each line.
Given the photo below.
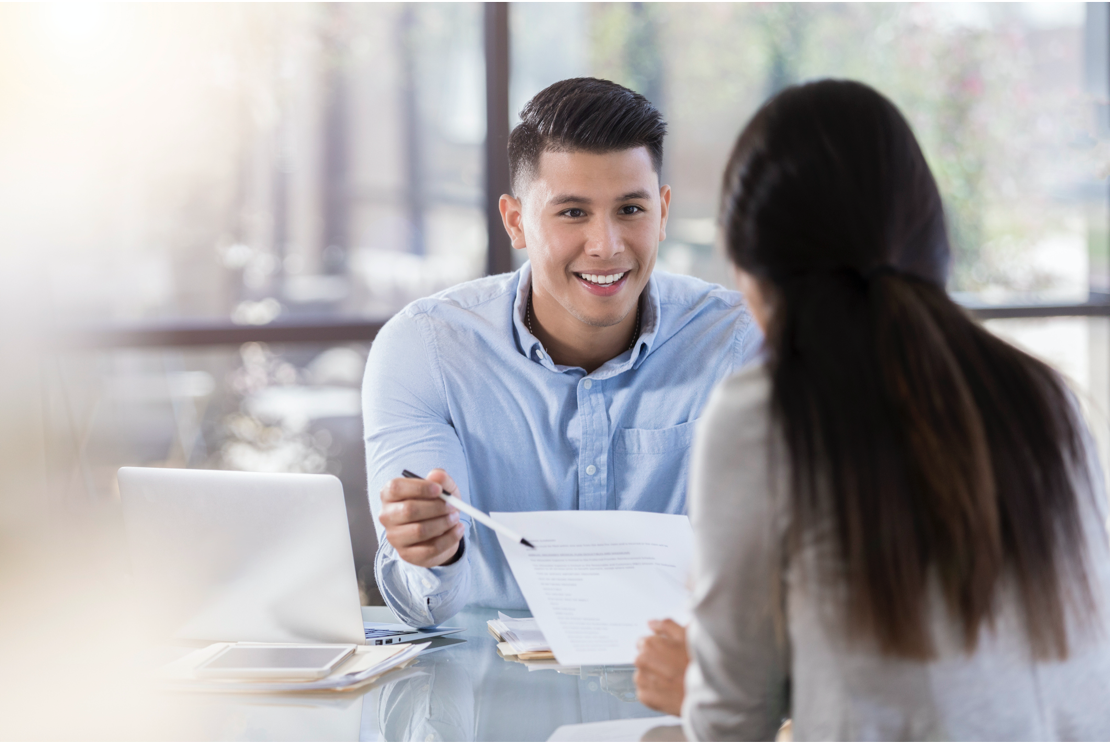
635, 332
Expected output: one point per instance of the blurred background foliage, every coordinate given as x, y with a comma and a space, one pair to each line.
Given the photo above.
995, 94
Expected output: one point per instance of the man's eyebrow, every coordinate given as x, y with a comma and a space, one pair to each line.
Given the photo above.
568, 198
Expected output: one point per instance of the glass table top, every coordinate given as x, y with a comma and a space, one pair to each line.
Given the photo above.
466, 691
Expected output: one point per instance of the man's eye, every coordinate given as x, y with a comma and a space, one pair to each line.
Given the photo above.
631, 209
574, 213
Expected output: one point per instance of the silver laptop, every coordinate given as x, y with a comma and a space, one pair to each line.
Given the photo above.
236, 556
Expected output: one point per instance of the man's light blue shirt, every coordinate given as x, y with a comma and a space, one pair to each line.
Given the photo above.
456, 381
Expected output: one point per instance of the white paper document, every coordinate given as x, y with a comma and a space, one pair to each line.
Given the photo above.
620, 730
596, 577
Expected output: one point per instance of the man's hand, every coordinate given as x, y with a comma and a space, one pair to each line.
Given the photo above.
423, 529
661, 667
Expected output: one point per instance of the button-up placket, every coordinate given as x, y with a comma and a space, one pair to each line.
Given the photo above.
593, 454
593, 419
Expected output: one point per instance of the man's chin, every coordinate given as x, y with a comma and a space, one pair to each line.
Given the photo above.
602, 320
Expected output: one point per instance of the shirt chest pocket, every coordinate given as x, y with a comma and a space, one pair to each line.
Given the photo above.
650, 468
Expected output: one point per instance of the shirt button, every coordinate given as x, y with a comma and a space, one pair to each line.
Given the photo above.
588, 383
427, 584
539, 354
591, 470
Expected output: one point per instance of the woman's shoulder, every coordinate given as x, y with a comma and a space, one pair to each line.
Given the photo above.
740, 398
733, 435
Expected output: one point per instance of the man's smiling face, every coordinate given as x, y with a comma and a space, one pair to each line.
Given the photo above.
592, 224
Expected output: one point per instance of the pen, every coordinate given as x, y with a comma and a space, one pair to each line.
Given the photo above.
475, 513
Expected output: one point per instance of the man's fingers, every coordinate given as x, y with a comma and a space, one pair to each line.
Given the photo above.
403, 488
423, 529
411, 511
440, 477
452, 540
412, 534
434, 551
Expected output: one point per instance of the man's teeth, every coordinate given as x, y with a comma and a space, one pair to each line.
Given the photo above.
602, 280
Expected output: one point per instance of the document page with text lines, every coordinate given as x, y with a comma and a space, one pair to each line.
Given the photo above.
596, 577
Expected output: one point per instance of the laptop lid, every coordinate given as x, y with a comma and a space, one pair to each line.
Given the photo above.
237, 556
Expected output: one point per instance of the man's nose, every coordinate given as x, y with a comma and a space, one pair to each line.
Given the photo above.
603, 239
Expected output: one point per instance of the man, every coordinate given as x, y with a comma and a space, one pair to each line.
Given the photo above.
574, 382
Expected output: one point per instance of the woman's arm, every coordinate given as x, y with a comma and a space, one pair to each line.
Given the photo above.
736, 684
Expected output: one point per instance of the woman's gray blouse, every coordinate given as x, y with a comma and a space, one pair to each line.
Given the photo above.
746, 675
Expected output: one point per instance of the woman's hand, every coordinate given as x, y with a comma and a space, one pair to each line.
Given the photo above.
661, 667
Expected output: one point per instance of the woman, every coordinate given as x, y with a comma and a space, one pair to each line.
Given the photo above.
899, 518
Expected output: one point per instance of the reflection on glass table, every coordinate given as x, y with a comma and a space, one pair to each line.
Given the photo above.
463, 692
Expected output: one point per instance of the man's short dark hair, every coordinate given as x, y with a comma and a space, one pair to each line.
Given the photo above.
583, 114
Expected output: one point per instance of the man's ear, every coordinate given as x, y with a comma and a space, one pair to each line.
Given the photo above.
664, 210
512, 216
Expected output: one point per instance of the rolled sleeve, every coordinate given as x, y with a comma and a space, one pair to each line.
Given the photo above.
421, 597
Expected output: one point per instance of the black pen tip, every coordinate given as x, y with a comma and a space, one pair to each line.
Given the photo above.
527, 543
410, 475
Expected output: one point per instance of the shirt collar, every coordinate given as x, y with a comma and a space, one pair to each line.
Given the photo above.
531, 347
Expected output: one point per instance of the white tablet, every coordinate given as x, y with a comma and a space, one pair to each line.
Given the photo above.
275, 661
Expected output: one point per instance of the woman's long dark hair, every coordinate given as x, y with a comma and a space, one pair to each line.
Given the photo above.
935, 448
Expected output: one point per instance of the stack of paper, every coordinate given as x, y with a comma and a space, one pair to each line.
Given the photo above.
365, 666
520, 638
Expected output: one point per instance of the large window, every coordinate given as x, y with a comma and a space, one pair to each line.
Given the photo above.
217, 205
250, 162
1000, 97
